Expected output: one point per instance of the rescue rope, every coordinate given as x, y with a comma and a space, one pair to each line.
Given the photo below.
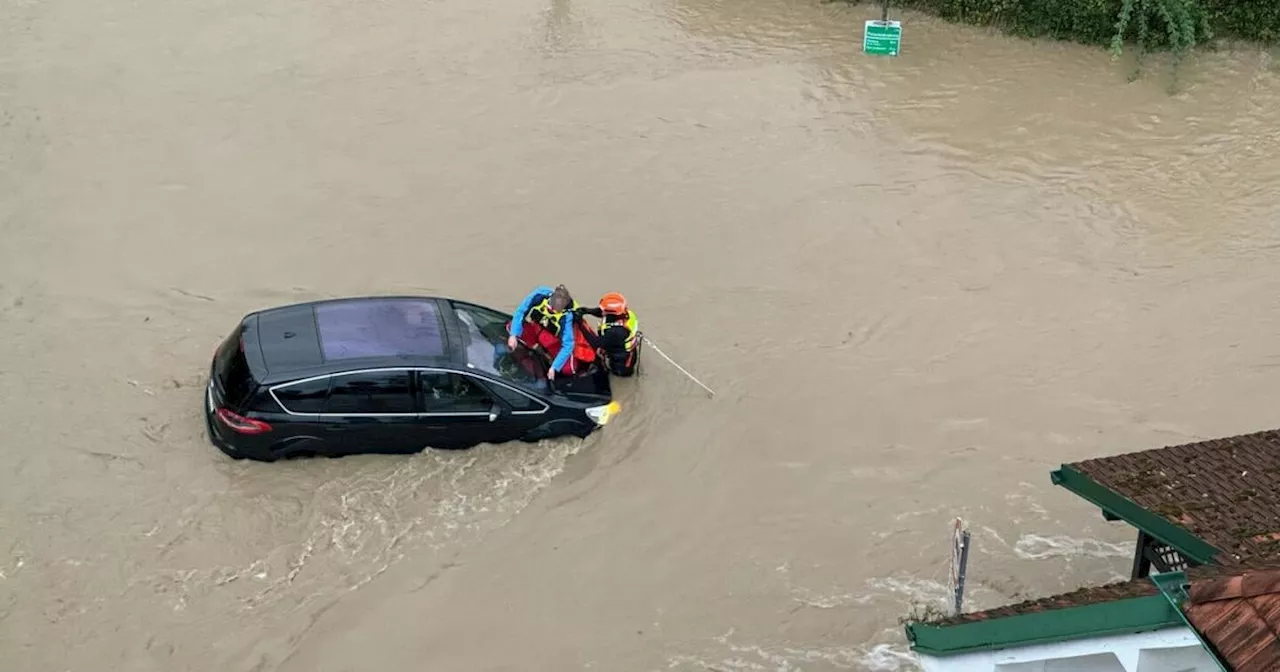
673, 363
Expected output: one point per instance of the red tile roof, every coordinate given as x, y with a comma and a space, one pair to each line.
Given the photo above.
1222, 491
1239, 615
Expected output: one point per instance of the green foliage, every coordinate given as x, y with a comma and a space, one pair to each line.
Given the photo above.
1183, 24
1174, 25
1256, 20
921, 612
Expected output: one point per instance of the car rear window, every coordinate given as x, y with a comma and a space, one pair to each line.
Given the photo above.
231, 370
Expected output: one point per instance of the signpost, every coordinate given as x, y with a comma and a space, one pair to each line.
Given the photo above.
959, 562
881, 38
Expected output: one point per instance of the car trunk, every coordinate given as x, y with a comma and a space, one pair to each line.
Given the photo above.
233, 380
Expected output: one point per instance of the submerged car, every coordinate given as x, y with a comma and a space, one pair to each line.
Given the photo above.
388, 375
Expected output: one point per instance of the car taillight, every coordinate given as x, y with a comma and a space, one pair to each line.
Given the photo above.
240, 424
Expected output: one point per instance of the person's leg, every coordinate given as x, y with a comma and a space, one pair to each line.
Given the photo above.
527, 360
550, 345
532, 335
549, 342
629, 365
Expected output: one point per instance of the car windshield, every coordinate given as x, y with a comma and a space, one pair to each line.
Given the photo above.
485, 334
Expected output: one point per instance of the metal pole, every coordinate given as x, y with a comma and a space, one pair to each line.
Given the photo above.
964, 563
884, 11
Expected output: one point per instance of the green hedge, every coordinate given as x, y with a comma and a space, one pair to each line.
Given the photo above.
1096, 21
1257, 20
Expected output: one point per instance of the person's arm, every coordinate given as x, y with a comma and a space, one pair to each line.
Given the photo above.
517, 318
566, 342
593, 339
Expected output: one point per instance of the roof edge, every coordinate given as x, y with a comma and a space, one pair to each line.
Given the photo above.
1117, 617
1186, 543
1175, 587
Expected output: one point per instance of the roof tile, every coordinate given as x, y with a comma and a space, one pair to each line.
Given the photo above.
1251, 583
1076, 598
1221, 490
1239, 615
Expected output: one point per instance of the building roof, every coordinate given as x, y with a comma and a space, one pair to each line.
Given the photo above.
1215, 597
1235, 611
1116, 609
1238, 614
1214, 501
1076, 598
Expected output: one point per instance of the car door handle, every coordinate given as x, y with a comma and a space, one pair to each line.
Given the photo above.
437, 426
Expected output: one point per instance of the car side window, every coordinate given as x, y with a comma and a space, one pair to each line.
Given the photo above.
444, 392
371, 392
304, 397
518, 402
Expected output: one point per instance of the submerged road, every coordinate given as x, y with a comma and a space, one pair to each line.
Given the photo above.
916, 284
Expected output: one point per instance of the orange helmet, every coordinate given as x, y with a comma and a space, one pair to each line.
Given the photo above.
613, 303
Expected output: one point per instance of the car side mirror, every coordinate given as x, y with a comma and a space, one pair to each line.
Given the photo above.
495, 412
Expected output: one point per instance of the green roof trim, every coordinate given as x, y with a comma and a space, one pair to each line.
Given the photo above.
1174, 587
1186, 543
1101, 619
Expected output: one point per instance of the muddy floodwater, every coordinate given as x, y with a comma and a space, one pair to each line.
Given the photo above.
916, 285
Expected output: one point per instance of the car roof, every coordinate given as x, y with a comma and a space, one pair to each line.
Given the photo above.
333, 335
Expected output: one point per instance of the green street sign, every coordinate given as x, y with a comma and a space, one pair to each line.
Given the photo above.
882, 38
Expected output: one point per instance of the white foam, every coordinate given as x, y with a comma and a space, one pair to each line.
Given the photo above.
889, 658
1026, 502
924, 512
1036, 547
356, 527
817, 600
926, 591
995, 535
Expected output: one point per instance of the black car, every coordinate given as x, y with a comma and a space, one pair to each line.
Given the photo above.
388, 375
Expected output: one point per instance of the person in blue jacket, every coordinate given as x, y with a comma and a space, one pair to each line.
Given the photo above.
546, 319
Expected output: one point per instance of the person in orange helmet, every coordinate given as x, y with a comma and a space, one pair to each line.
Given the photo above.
619, 339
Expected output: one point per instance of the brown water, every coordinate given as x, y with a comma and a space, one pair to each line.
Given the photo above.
916, 284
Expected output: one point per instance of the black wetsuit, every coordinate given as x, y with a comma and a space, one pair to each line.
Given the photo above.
613, 342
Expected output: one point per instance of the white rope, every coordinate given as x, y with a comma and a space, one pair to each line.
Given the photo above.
673, 363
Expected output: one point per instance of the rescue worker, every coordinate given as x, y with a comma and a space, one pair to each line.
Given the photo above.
546, 319
619, 338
